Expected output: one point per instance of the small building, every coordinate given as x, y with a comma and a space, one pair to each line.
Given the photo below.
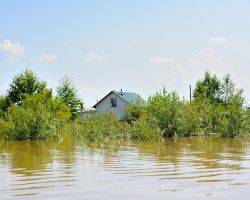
117, 102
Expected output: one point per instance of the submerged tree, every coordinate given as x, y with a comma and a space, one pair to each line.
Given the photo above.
68, 93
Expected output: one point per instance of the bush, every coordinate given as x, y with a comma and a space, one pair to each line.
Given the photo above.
190, 119
4, 104
235, 118
134, 111
247, 124
39, 117
106, 126
166, 109
102, 127
145, 128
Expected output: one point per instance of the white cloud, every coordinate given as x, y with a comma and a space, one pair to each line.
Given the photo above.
11, 52
209, 59
206, 52
161, 60
181, 69
46, 58
94, 56
217, 40
178, 66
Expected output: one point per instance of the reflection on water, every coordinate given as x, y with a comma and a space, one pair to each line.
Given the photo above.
183, 168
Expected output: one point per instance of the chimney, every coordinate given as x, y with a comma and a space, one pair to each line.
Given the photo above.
121, 92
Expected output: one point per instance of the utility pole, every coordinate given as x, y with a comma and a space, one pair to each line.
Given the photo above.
190, 93
164, 90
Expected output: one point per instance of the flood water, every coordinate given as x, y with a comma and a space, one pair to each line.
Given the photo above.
185, 168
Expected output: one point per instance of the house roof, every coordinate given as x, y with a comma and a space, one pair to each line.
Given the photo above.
129, 97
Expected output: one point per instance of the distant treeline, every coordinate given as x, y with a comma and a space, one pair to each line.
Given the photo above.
30, 111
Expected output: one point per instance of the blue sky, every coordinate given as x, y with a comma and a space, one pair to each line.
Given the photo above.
137, 45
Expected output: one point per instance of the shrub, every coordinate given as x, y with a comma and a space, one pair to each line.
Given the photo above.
134, 111
166, 109
39, 117
145, 128
103, 126
235, 116
190, 119
4, 104
247, 124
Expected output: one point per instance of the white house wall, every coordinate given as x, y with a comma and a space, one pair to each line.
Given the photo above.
104, 105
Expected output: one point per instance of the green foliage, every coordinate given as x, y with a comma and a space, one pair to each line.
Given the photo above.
3, 106
224, 111
106, 126
166, 109
208, 88
228, 90
38, 117
134, 111
145, 128
26, 83
68, 93
190, 119
30, 112
101, 127
247, 124
235, 117
217, 91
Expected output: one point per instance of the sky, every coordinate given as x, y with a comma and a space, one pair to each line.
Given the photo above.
136, 45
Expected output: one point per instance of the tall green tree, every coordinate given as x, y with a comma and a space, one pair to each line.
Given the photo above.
26, 83
208, 88
68, 93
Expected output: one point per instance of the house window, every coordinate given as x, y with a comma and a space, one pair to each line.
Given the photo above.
113, 102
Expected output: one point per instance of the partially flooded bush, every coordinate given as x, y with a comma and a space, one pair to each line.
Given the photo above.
247, 124
29, 111
134, 111
235, 118
190, 119
145, 128
166, 109
39, 117
107, 126
103, 126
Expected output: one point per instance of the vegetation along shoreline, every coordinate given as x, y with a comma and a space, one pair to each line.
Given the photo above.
30, 111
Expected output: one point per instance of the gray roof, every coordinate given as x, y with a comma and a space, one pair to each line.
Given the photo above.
129, 97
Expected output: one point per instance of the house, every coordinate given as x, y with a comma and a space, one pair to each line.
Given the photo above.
117, 102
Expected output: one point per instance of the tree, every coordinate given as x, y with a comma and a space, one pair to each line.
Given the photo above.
68, 93
208, 88
26, 83
4, 104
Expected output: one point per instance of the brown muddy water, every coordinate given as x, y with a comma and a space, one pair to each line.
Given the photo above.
186, 168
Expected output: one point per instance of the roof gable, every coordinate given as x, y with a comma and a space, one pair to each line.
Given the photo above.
129, 97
